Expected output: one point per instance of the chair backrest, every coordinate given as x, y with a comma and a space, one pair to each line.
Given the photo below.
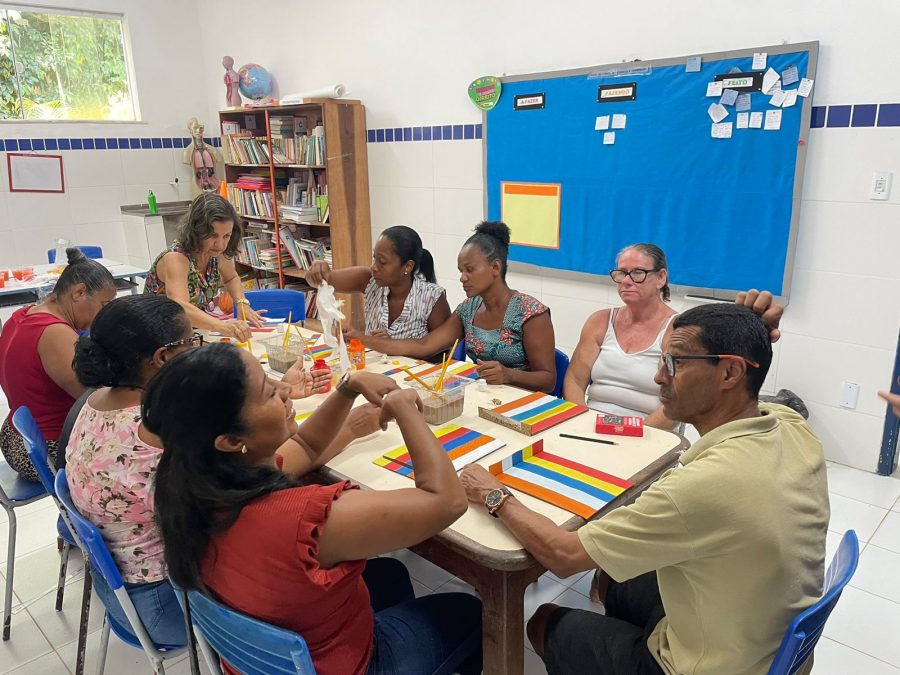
280, 302
36, 446
804, 631
562, 365
459, 353
250, 646
89, 252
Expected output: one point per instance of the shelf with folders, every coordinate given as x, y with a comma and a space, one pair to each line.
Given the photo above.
304, 168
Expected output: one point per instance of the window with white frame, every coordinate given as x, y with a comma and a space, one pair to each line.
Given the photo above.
61, 65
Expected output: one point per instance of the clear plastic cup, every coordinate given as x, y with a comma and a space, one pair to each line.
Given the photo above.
441, 407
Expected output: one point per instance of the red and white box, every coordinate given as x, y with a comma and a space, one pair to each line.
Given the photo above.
620, 425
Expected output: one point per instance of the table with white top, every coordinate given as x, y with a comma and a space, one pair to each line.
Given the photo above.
44, 277
480, 549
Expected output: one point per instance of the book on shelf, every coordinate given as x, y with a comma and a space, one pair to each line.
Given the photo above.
315, 147
245, 148
304, 252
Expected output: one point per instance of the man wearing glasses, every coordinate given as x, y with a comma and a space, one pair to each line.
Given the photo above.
704, 571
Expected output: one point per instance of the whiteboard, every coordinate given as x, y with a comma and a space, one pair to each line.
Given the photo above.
35, 173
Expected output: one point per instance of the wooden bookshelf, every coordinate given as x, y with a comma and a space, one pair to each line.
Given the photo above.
345, 172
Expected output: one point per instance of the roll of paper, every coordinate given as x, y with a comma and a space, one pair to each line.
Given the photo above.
331, 91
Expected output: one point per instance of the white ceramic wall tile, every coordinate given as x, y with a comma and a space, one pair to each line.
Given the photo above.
137, 194
815, 369
816, 297
8, 250
867, 623
28, 210
401, 164
90, 168
4, 175
848, 437
849, 238
525, 283
870, 488
455, 293
833, 658
26, 643
380, 206
147, 166
888, 534
96, 204
457, 212
849, 514
446, 250
769, 385
32, 244
840, 163
587, 287
413, 207
568, 316
458, 164
5, 224
109, 236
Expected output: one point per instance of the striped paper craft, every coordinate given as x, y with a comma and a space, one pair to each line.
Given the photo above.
462, 445
458, 368
399, 369
299, 417
533, 413
569, 485
321, 351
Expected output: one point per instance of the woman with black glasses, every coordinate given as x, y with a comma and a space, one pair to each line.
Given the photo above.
618, 353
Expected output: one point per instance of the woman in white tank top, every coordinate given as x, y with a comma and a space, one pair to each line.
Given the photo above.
618, 353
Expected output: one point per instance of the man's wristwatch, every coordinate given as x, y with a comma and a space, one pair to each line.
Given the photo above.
343, 387
495, 499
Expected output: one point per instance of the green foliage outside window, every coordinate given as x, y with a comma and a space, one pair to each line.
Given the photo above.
70, 67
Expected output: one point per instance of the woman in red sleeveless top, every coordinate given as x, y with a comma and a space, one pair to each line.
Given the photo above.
37, 346
295, 555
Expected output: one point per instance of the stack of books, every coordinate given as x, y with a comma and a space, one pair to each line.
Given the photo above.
304, 252
298, 214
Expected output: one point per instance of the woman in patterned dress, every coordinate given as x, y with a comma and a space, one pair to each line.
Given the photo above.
508, 334
402, 300
191, 270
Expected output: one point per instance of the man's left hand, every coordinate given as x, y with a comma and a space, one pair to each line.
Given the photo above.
478, 481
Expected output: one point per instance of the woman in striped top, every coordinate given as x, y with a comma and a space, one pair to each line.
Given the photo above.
401, 298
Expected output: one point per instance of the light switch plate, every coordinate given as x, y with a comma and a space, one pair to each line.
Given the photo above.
881, 185
849, 395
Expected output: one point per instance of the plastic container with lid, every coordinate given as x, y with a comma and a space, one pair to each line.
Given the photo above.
281, 356
356, 352
441, 407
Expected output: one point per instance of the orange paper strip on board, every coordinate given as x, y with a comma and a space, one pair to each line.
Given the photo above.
531, 189
470, 446
548, 496
519, 402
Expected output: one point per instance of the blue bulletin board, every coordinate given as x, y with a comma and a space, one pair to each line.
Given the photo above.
724, 210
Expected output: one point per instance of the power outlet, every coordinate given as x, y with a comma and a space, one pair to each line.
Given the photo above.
881, 185
849, 395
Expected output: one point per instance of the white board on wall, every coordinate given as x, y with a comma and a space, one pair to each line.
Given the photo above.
35, 173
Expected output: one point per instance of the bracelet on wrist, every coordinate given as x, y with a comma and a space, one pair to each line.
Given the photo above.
242, 301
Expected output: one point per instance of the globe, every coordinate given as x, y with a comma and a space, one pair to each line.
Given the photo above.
255, 82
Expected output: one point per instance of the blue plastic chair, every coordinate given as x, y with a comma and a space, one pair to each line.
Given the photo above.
460, 353
14, 492
102, 562
562, 365
280, 303
89, 252
250, 646
36, 446
804, 631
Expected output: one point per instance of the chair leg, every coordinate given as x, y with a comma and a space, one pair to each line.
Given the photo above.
10, 569
104, 645
64, 548
85, 615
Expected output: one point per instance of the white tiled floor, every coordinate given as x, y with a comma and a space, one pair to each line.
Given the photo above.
860, 636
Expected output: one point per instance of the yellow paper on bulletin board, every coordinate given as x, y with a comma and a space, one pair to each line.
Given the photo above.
531, 210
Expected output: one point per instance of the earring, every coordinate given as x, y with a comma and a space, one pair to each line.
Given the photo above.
243, 449
406, 274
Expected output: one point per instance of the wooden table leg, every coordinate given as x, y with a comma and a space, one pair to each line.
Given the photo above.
502, 596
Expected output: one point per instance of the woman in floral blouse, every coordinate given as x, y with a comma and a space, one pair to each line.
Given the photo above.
111, 458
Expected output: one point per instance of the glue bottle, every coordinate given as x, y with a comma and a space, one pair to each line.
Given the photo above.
318, 366
357, 354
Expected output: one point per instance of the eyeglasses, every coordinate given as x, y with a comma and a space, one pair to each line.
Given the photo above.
669, 360
637, 275
196, 340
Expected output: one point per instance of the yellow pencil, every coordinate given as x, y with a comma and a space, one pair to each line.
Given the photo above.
244, 319
417, 378
440, 384
287, 331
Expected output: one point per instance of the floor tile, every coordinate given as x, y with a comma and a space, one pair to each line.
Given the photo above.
568, 581
832, 541
533, 664
48, 664
60, 628
422, 570
583, 585
572, 598
877, 573
121, 658
183, 666
867, 623
866, 487
833, 658
37, 572
888, 533
457, 586
420, 589
35, 529
25, 644
847, 514
541, 591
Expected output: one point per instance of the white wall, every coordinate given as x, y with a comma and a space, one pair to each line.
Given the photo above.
410, 63
166, 52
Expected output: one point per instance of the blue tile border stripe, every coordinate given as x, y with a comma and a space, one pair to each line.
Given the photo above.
834, 116
124, 143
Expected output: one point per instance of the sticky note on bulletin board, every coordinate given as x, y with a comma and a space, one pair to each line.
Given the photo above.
531, 210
